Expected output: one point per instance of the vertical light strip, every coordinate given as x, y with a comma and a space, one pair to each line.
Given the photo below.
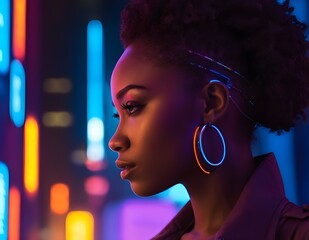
4, 200
17, 93
14, 214
4, 36
95, 89
282, 147
19, 29
79, 225
31, 155
59, 198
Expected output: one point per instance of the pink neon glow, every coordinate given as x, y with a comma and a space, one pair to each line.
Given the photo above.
97, 186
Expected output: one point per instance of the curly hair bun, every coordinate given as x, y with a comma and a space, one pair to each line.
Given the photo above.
261, 38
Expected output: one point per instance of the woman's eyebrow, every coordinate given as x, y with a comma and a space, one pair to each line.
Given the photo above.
123, 91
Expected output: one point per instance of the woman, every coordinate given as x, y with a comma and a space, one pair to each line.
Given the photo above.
195, 79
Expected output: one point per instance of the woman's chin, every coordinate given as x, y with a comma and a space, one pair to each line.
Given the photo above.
143, 191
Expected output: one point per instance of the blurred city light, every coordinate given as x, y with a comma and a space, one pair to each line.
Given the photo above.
59, 198
4, 201
5, 15
57, 119
19, 29
177, 194
17, 93
31, 155
137, 219
58, 85
97, 186
14, 213
95, 90
79, 226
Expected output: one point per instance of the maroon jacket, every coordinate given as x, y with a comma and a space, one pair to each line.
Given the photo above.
262, 211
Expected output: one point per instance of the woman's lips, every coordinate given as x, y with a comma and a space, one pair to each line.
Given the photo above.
126, 167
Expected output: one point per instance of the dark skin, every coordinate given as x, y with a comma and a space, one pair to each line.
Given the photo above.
154, 138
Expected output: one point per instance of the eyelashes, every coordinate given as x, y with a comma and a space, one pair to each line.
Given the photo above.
130, 108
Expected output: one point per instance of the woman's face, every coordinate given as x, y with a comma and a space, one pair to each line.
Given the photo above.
158, 114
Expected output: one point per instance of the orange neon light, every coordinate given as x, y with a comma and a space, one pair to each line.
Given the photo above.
14, 214
31, 155
79, 225
195, 151
19, 29
59, 198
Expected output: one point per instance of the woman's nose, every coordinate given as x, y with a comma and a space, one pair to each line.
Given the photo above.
119, 143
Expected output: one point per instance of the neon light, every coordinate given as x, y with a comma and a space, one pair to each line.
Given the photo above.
19, 29
79, 225
136, 219
195, 151
31, 155
57, 119
176, 194
95, 89
300, 9
4, 200
14, 214
59, 198
201, 145
97, 186
95, 130
283, 148
17, 93
4, 36
95, 166
58, 85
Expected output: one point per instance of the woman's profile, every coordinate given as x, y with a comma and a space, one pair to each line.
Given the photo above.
194, 81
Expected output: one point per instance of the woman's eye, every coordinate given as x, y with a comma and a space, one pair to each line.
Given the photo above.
131, 107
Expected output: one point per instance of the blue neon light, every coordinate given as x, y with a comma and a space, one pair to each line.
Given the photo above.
177, 194
300, 7
4, 201
95, 89
4, 36
283, 148
17, 93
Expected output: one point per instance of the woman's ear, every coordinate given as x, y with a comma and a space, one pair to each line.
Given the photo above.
216, 99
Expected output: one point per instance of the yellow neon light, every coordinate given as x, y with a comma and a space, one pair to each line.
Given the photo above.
79, 226
31, 155
59, 198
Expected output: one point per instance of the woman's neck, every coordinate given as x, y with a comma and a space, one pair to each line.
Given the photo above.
214, 196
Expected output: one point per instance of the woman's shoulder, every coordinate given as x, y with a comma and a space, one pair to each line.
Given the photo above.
293, 223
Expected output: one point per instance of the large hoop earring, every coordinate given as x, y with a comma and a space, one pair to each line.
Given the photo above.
198, 147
